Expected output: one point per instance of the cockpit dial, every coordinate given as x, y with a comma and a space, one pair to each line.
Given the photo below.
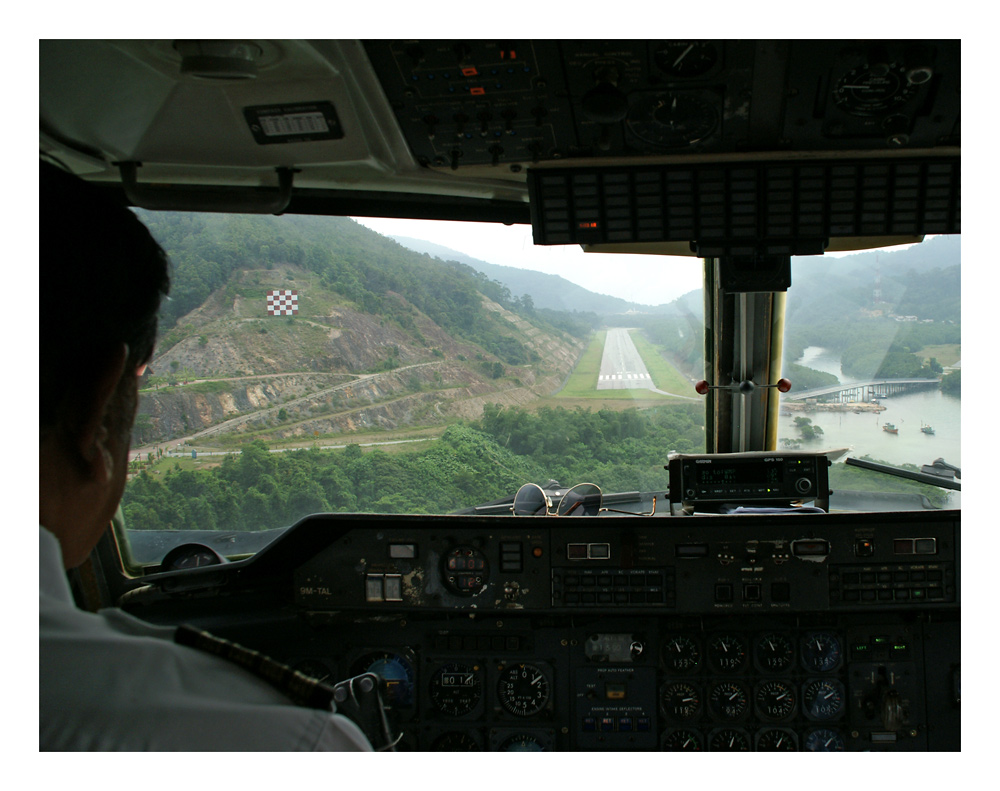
456, 689
823, 699
821, 651
681, 654
775, 700
774, 652
728, 740
523, 689
776, 740
729, 700
395, 670
672, 120
680, 701
727, 653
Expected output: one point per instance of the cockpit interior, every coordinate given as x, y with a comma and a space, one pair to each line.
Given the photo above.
745, 606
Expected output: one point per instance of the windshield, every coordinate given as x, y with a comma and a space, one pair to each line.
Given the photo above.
325, 364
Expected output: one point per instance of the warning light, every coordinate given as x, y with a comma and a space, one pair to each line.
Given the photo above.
508, 54
469, 71
477, 91
586, 225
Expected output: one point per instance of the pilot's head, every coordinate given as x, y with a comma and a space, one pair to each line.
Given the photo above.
101, 278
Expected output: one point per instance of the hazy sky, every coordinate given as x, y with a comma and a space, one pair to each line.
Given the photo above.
645, 279
648, 280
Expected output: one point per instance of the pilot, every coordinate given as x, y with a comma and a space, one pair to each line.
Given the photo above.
108, 681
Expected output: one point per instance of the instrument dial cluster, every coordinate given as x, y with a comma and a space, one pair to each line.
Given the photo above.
528, 684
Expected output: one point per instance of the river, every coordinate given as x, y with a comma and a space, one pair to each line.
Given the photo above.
864, 434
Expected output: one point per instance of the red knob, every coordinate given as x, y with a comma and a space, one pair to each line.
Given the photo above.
784, 385
701, 388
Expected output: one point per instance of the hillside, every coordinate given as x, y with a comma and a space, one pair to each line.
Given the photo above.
546, 291
383, 337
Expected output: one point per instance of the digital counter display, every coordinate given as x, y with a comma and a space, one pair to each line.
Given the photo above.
745, 474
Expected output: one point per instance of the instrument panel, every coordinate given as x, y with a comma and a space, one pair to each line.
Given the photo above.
751, 633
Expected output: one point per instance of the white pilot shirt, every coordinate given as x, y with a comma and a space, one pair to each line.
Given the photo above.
109, 681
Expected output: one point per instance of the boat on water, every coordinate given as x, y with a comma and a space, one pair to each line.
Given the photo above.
926, 429
890, 427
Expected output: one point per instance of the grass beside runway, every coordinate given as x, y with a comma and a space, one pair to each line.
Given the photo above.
663, 373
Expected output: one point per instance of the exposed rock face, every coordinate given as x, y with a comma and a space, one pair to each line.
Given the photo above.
326, 374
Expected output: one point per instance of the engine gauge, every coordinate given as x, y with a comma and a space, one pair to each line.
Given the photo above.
774, 652
873, 90
456, 689
727, 653
775, 700
821, 651
682, 740
729, 700
824, 740
681, 654
455, 741
521, 743
823, 699
776, 740
672, 120
729, 740
395, 670
680, 700
523, 689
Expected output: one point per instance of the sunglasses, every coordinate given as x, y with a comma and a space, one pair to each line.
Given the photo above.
584, 499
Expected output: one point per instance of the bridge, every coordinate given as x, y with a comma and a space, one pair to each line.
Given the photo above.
862, 391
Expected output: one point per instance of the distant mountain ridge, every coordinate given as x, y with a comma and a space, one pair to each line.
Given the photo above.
547, 291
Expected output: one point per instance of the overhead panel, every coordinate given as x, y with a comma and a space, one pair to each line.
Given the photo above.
504, 103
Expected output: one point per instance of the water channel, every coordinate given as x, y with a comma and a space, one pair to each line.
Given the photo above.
863, 432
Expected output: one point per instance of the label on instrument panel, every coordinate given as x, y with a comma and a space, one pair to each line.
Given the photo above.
293, 123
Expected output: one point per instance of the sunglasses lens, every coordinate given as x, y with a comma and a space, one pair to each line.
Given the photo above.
530, 500
584, 499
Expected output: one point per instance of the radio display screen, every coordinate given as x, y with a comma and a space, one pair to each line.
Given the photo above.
760, 473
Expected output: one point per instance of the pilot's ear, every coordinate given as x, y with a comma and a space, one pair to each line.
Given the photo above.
92, 441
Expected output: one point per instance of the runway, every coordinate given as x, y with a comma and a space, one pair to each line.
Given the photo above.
621, 366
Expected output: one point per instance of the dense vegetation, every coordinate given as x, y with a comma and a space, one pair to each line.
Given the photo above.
471, 464
364, 267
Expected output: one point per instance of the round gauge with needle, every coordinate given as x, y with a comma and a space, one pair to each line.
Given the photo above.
824, 740
456, 689
776, 740
823, 699
672, 120
680, 700
873, 89
685, 59
821, 651
729, 740
682, 740
456, 741
774, 652
727, 653
681, 654
775, 700
729, 700
523, 689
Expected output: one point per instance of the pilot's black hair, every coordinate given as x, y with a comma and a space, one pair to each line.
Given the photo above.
101, 279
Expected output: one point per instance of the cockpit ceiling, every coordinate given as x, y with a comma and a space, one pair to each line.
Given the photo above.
467, 120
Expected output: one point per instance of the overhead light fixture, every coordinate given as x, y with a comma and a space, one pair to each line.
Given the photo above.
218, 59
